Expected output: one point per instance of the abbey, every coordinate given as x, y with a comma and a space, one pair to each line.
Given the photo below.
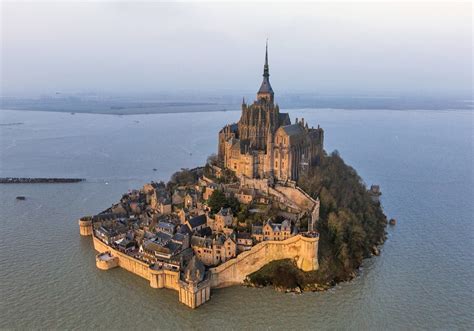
264, 143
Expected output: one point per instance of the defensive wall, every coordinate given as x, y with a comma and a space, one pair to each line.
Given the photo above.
158, 278
304, 250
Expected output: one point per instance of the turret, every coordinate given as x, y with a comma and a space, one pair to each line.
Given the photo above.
85, 226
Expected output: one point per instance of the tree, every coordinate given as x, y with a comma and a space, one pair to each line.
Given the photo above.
216, 201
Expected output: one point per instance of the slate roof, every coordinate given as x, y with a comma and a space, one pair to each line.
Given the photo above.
197, 221
162, 237
265, 87
243, 235
194, 271
166, 226
184, 229
179, 237
257, 229
293, 129
205, 232
284, 119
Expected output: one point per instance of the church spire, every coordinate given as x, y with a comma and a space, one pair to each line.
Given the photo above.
266, 72
265, 92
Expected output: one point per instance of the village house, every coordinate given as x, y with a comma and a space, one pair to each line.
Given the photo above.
191, 200
197, 223
155, 252
213, 251
166, 227
161, 202
277, 231
182, 238
244, 241
111, 231
222, 219
257, 232
126, 246
208, 190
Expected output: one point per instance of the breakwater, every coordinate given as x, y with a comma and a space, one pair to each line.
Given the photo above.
22, 180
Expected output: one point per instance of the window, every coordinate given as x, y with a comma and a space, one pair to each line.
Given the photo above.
276, 164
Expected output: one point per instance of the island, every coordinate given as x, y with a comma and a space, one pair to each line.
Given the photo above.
270, 208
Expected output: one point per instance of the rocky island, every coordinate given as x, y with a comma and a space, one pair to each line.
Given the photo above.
271, 208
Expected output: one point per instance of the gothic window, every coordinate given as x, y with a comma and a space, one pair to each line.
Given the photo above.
276, 164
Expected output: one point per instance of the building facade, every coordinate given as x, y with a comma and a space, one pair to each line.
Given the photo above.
264, 143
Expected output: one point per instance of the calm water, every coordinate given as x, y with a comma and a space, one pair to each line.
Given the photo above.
423, 161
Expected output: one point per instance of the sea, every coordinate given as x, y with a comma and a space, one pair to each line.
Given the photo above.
423, 279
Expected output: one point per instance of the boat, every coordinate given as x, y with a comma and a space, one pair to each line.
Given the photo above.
20, 197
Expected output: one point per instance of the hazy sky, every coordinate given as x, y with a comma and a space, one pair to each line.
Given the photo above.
127, 47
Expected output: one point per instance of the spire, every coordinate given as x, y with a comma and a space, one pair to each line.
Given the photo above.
265, 67
265, 92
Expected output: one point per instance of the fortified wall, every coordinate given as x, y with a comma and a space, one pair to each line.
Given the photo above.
303, 250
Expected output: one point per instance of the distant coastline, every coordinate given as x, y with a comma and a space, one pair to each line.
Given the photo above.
193, 104
25, 180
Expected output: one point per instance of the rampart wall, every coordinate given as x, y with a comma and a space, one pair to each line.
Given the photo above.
303, 250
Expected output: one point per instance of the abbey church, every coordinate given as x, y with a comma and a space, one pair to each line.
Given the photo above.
264, 143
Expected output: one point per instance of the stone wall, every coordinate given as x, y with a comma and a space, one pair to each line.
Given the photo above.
303, 250
297, 196
124, 261
85, 226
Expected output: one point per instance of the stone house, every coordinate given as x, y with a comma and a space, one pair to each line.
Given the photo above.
190, 200
214, 251
166, 227
197, 223
223, 218
154, 252
257, 232
277, 231
244, 241
182, 238
208, 190
110, 232
161, 202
